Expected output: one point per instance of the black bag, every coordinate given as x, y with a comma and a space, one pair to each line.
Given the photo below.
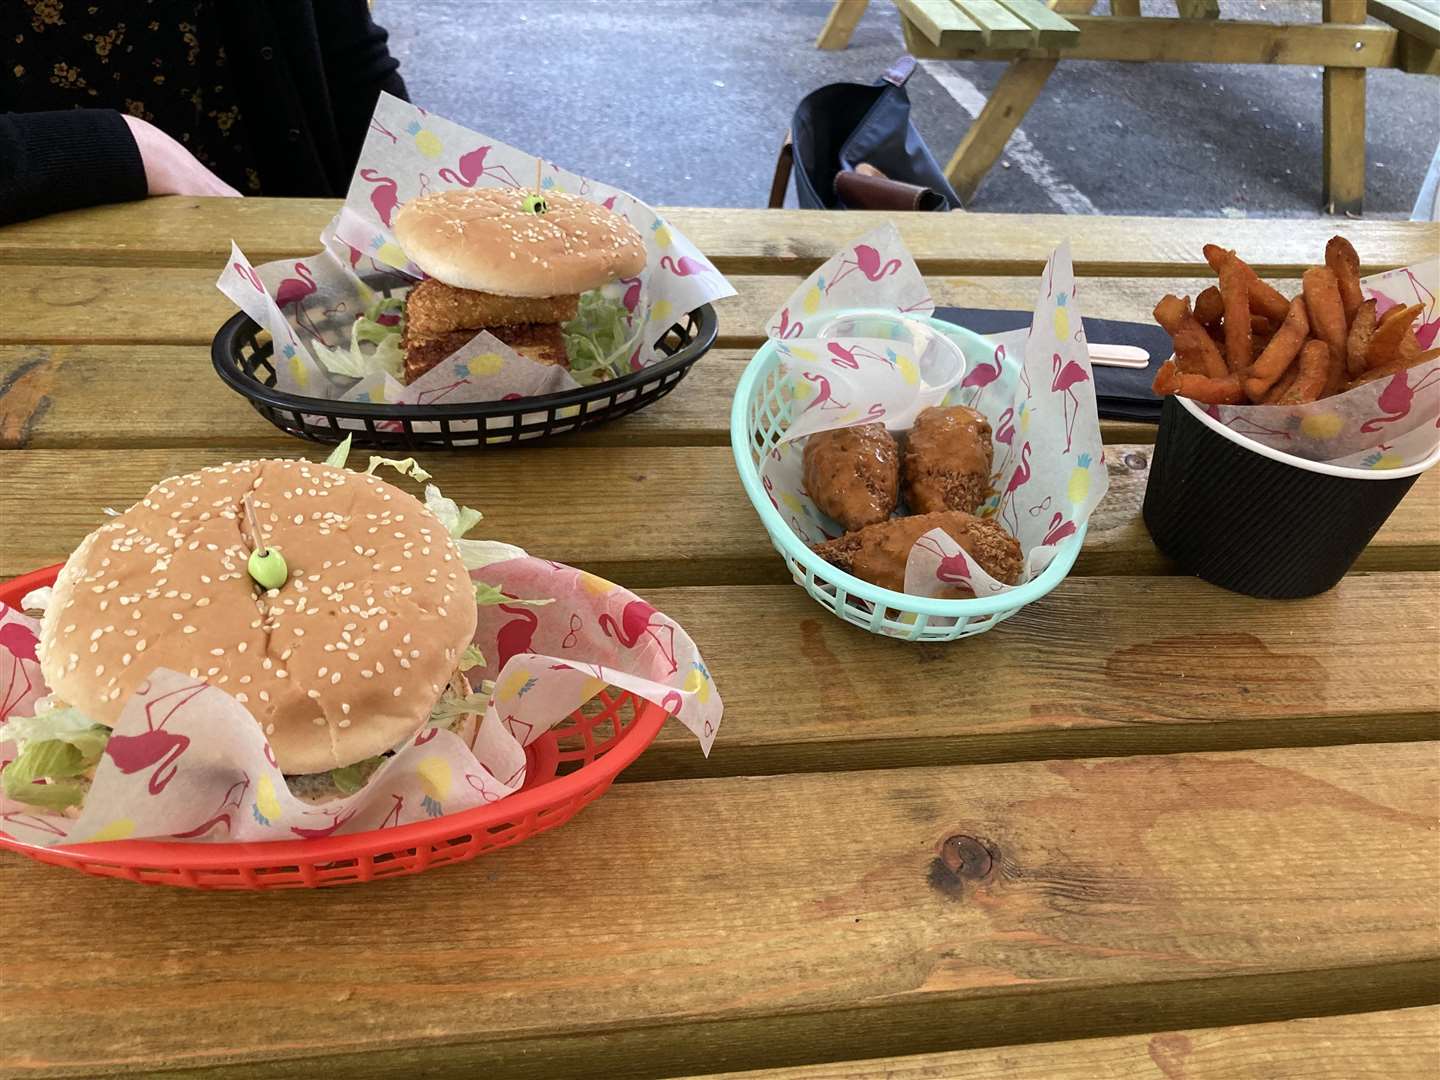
845, 125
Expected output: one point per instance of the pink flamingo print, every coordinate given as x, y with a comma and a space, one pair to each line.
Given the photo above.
393, 817
684, 267
1063, 382
234, 796
155, 746
867, 261
982, 375
336, 821
516, 635
609, 203
823, 397
786, 329
850, 358
1005, 433
1059, 529
1396, 399
672, 702
20, 642
1019, 477
375, 125
953, 569
637, 619
472, 167
439, 393
386, 196
293, 292
631, 299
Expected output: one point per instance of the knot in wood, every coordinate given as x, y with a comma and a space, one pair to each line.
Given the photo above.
966, 857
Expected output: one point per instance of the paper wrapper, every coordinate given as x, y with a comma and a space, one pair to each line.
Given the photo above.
409, 152
1050, 465
1386, 424
187, 761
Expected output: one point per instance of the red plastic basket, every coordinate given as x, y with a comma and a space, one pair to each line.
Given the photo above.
569, 766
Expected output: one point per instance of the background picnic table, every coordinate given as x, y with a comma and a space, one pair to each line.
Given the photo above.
1143, 808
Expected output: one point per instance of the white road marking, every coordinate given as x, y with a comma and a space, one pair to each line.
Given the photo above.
1020, 150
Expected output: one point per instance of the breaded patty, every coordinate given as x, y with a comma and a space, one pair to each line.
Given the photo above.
541, 342
432, 308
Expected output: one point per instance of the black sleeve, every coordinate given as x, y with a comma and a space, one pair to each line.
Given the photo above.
63, 160
358, 66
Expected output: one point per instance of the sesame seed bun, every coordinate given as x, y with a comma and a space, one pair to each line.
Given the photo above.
485, 239
341, 663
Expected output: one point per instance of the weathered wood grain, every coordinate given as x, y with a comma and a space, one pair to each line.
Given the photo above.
1101, 666
737, 923
645, 516
122, 396
186, 231
169, 306
1403, 1044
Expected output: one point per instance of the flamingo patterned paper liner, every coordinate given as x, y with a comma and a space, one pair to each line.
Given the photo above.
1386, 424
409, 152
188, 762
1036, 390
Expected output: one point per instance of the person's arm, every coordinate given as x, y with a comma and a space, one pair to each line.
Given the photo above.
358, 66
67, 159
53, 161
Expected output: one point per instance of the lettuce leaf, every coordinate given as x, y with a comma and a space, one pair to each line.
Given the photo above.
486, 594
351, 778
386, 355
458, 520
340, 454
472, 657
404, 466
600, 339
57, 747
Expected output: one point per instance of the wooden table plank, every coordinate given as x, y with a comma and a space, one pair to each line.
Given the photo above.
749, 922
1162, 665
57, 396
1403, 1044
179, 306
711, 535
185, 231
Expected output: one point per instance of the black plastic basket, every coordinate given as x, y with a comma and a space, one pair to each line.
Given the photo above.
242, 359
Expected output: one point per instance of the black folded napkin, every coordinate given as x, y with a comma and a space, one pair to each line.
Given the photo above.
1120, 393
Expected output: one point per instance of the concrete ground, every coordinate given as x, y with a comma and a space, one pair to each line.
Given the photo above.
686, 101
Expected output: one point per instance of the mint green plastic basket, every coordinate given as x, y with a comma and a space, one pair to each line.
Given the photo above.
760, 414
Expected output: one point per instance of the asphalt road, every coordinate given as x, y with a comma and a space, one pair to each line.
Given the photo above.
686, 101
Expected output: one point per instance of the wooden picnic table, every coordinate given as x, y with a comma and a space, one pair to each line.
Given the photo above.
1195, 830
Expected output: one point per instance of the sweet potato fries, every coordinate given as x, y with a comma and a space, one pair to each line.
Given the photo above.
1283, 352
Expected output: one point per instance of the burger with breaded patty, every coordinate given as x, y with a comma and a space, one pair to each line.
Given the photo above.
335, 607
516, 264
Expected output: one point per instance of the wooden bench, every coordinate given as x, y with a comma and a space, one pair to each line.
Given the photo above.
1035, 36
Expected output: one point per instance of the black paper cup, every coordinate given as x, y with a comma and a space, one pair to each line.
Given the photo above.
1255, 520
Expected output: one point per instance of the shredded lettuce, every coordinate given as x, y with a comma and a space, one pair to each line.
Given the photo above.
340, 454
458, 520
381, 326
599, 340
404, 466
487, 594
58, 747
351, 778
453, 707
472, 657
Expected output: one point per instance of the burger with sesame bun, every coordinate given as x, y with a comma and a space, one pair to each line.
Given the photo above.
336, 608
524, 267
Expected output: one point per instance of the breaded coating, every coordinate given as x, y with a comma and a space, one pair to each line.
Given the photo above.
948, 456
432, 308
541, 342
853, 474
877, 553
